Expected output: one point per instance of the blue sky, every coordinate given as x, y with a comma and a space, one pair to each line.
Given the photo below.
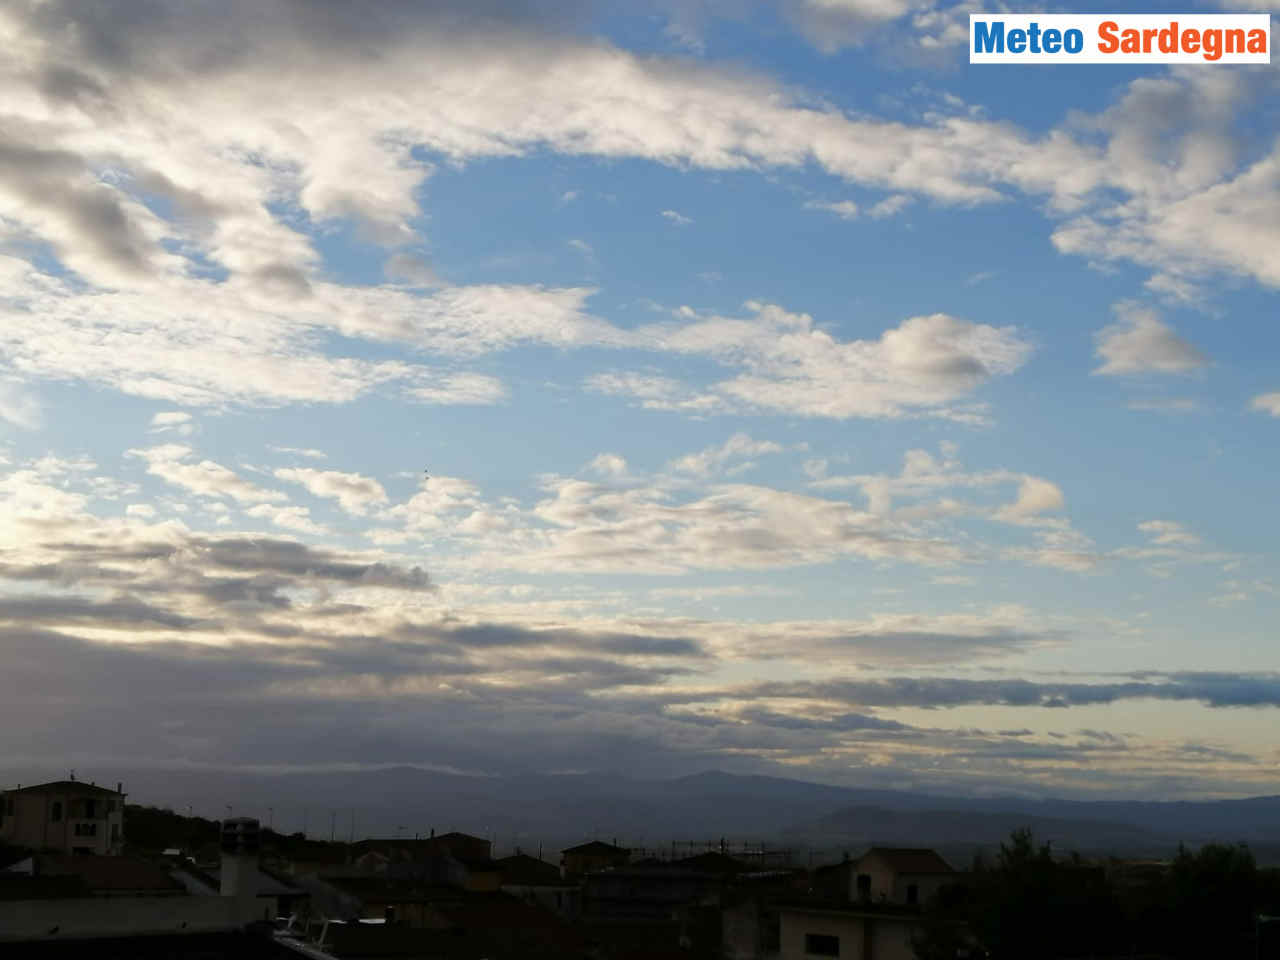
795, 397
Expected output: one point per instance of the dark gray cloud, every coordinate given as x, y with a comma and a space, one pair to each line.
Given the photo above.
483, 635
153, 37
289, 557
1212, 689
119, 612
55, 185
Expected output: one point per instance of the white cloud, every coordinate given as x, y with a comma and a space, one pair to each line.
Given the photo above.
1168, 533
461, 389
715, 459
18, 407
1267, 403
171, 463
844, 209
608, 465
171, 418
890, 206
1141, 343
173, 421
356, 494
923, 366
677, 218
290, 518
832, 24
308, 452
411, 268
1036, 496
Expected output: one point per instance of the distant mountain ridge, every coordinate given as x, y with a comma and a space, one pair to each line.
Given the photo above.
555, 810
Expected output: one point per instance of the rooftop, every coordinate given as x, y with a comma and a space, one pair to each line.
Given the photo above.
109, 874
910, 859
597, 847
521, 868
66, 786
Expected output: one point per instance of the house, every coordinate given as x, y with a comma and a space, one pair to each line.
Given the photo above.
535, 881
588, 857
67, 816
876, 917
95, 876
902, 875
851, 931
276, 895
456, 859
750, 928
55, 899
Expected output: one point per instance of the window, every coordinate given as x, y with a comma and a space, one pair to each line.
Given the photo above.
913, 894
86, 830
55, 812
864, 886
821, 945
90, 808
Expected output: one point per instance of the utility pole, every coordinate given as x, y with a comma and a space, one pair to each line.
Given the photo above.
333, 824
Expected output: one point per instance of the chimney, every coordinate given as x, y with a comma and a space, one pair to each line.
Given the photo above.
239, 857
120, 786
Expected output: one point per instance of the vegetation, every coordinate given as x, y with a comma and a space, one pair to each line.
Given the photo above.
1030, 903
150, 830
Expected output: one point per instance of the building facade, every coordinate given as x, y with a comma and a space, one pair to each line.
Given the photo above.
67, 816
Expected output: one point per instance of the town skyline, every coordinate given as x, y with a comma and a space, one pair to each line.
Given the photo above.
504, 389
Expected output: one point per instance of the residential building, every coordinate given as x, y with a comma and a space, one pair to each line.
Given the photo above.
93, 905
67, 816
535, 881
876, 917
850, 931
902, 875
588, 857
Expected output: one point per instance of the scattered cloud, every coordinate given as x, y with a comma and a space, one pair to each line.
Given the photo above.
1267, 403
844, 209
173, 463
1141, 343
716, 459
356, 494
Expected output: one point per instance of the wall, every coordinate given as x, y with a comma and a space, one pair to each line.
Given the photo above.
890, 937
561, 899
120, 916
748, 932
30, 825
927, 884
889, 886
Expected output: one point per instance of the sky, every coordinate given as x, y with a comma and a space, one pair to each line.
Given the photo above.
504, 387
